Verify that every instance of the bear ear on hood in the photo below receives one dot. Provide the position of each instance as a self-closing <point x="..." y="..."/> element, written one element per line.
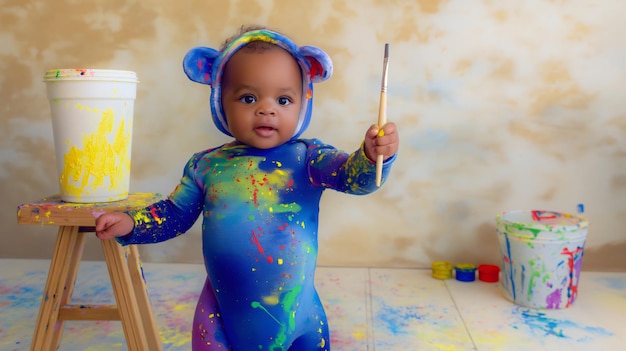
<point x="198" y="64"/>
<point x="321" y="66"/>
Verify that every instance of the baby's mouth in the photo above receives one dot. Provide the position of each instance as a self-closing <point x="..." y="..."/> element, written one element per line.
<point x="265" y="130"/>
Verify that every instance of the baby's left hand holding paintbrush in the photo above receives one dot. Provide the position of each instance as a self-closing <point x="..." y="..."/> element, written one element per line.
<point x="383" y="141"/>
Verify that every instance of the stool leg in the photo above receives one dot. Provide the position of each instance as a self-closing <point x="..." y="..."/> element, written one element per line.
<point x="126" y="300"/>
<point x="143" y="300"/>
<point x="67" y="249"/>
<point x="75" y="256"/>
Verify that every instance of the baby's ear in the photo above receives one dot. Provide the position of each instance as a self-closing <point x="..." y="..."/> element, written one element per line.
<point x="198" y="64"/>
<point x="321" y="64"/>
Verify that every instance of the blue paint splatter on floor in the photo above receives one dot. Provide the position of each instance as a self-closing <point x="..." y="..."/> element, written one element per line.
<point x="540" y="324"/>
<point x="618" y="284"/>
<point x="397" y="319"/>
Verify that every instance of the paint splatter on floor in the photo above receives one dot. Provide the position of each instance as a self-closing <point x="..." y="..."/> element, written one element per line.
<point x="540" y="325"/>
<point x="368" y="309"/>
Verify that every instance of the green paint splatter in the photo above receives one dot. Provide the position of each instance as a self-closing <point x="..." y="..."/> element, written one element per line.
<point x="256" y="304"/>
<point x="288" y="306"/>
<point x="534" y="273"/>
<point x="282" y="208"/>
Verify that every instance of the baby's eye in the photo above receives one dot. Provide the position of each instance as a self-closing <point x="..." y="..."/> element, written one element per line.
<point x="283" y="100"/>
<point x="247" y="99"/>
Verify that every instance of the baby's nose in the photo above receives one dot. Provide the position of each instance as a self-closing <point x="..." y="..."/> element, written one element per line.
<point x="266" y="108"/>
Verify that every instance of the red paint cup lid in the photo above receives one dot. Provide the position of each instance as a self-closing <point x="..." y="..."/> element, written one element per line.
<point x="488" y="273"/>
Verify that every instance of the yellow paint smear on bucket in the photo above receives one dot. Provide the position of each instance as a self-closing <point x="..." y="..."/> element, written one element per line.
<point x="86" y="170"/>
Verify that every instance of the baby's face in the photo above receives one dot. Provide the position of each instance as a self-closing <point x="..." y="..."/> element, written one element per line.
<point x="262" y="96"/>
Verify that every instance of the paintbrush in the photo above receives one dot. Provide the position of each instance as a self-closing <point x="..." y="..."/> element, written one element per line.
<point x="382" y="113"/>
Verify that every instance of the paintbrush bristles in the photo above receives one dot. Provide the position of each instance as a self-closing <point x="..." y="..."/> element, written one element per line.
<point x="383" y="86"/>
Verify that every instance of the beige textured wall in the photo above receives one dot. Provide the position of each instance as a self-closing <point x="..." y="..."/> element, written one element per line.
<point x="502" y="105"/>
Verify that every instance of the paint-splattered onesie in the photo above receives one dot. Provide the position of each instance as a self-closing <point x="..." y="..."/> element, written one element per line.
<point x="259" y="233"/>
<point x="260" y="217"/>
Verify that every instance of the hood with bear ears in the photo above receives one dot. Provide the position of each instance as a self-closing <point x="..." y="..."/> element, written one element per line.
<point x="206" y="65"/>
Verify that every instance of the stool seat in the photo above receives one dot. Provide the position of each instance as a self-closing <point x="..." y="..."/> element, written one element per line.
<point x="132" y="306"/>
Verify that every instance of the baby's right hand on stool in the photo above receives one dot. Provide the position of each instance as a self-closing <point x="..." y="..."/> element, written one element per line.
<point x="113" y="224"/>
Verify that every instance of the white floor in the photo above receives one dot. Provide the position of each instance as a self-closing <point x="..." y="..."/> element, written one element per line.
<point x="368" y="309"/>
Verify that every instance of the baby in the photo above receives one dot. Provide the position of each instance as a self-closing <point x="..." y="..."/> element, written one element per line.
<point x="258" y="195"/>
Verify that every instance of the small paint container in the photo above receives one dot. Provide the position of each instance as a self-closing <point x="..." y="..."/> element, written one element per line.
<point x="488" y="273"/>
<point x="442" y="270"/>
<point x="465" y="272"/>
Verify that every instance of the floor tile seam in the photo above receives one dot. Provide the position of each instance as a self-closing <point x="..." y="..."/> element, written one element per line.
<point x="458" y="311"/>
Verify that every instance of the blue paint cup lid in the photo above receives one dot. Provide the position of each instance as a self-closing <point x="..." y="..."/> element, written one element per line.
<point x="465" y="272"/>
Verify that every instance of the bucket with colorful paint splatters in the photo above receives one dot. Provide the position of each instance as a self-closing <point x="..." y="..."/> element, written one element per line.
<point x="542" y="254"/>
<point x="92" y="121"/>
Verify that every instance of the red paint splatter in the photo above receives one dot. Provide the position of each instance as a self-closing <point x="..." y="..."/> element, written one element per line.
<point x="153" y="212"/>
<point x="255" y="241"/>
<point x="572" y="290"/>
<point x="539" y="215"/>
<point x="255" y="197"/>
<point x="316" y="68"/>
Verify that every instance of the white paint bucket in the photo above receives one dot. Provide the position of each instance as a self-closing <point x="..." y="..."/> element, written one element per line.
<point x="92" y="121"/>
<point x="542" y="255"/>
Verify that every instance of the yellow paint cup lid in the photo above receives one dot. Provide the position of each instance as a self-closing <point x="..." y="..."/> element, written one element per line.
<point x="441" y="265"/>
<point x="466" y="267"/>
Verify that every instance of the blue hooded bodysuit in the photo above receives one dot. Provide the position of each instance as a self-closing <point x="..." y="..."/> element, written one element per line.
<point x="260" y="219"/>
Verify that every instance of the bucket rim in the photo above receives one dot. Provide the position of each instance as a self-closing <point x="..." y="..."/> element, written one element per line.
<point x="88" y="74"/>
<point x="583" y="222"/>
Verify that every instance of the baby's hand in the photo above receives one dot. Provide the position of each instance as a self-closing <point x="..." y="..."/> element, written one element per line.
<point x="383" y="141"/>
<point x="113" y="224"/>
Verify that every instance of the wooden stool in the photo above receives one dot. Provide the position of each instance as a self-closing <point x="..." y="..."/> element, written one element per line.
<point x="133" y="305"/>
